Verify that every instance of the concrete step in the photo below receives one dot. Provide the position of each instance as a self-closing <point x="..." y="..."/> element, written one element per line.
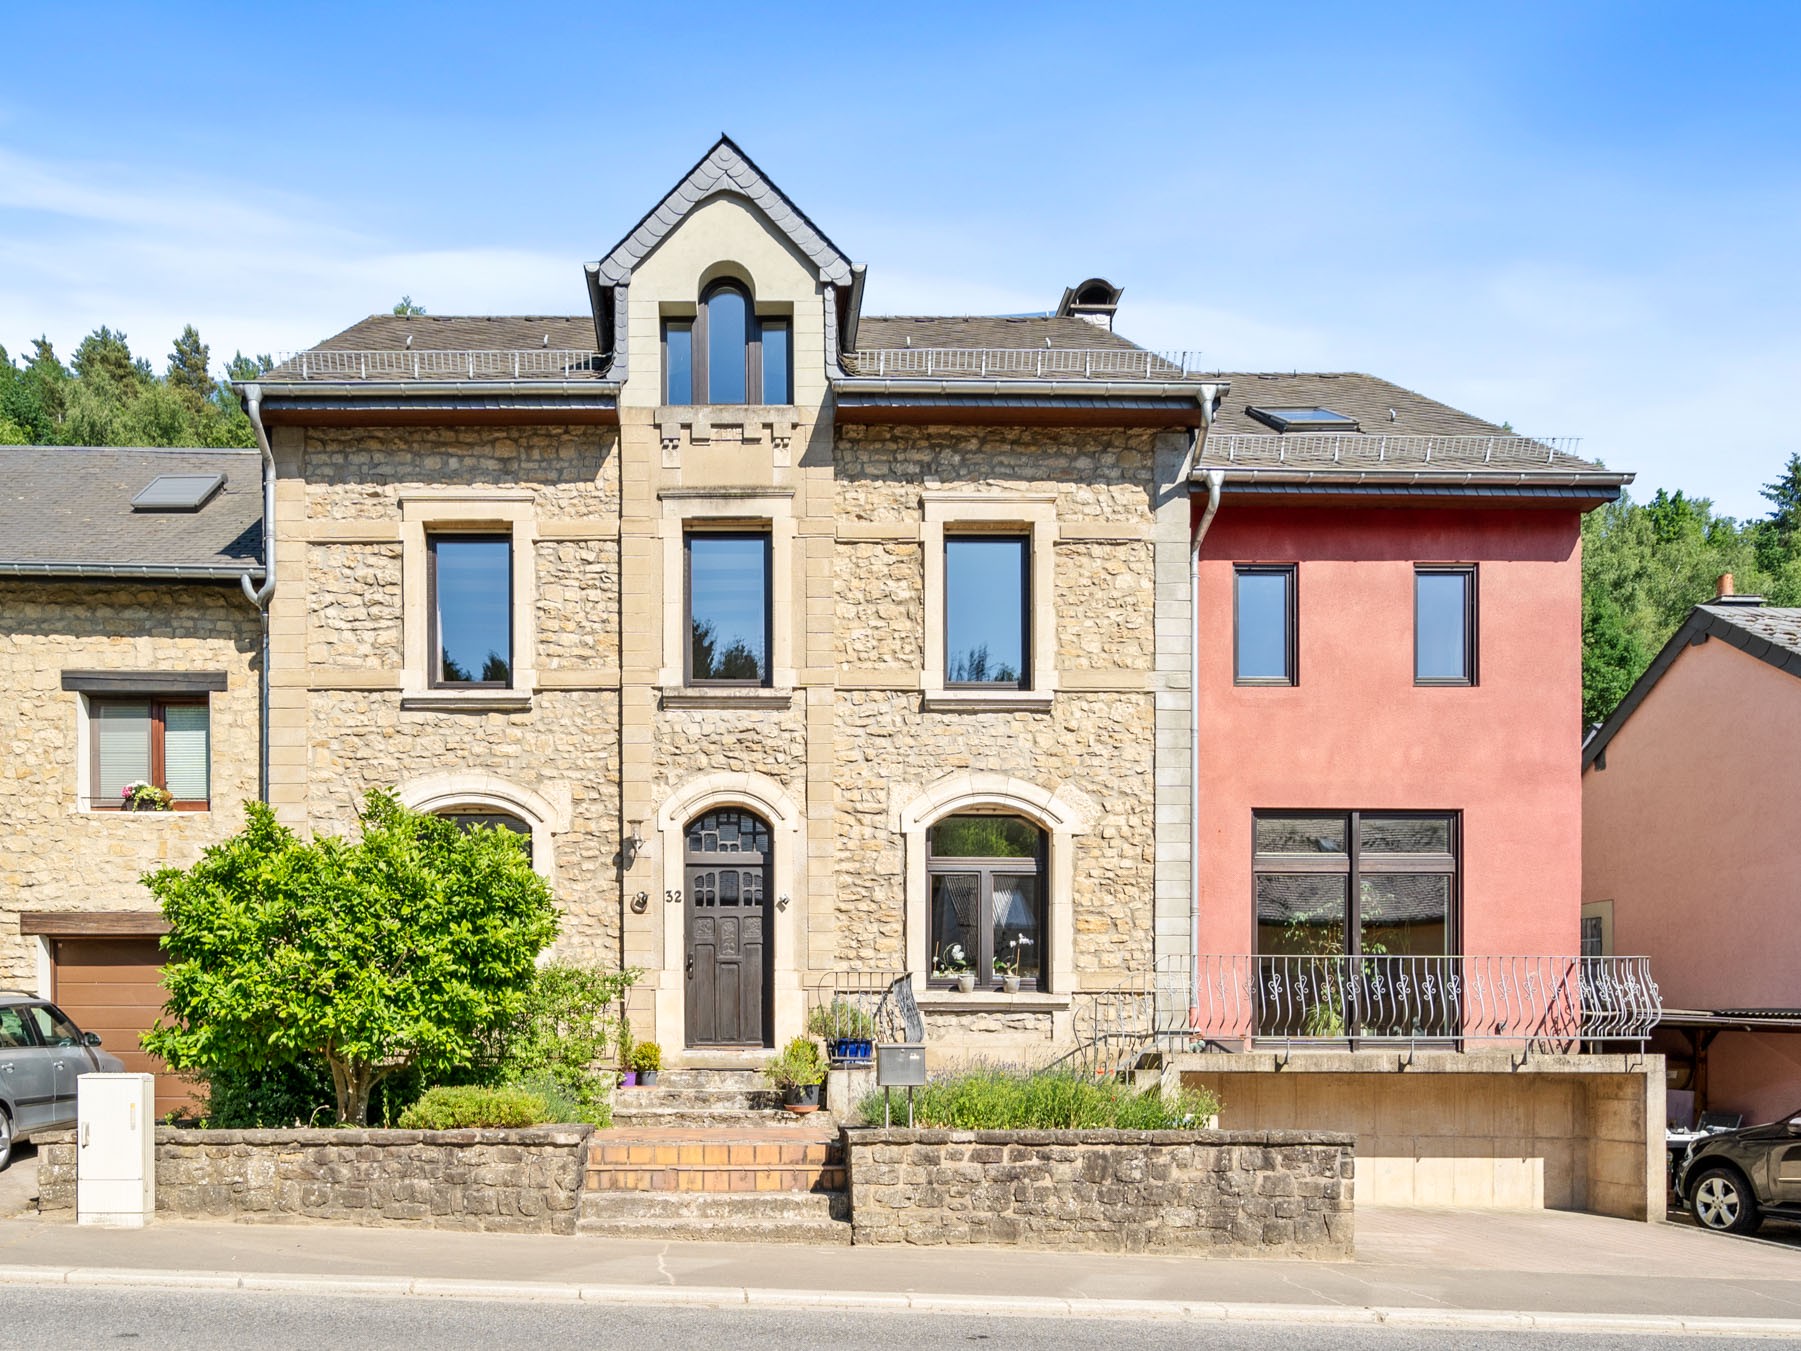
<point x="763" y="1206"/>
<point x="635" y="1117"/>
<point x="706" y="1099"/>
<point x="741" y="1079"/>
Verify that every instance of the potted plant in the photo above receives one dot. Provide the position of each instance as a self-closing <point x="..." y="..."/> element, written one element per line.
<point x="139" y="796"/>
<point x="628" y="1072"/>
<point x="647" y="1061"/>
<point x="847" y="1030"/>
<point x="1007" y="968"/>
<point x="952" y="963"/>
<point x="798" y="1072"/>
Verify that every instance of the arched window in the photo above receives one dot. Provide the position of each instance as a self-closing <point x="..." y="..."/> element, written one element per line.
<point x="727" y="353"/>
<point x="987" y="899"/>
<point x="470" y="818"/>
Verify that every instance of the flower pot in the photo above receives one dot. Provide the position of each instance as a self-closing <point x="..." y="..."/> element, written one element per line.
<point x="850" y="1050"/>
<point x="801" y="1097"/>
<point x="1010" y="984"/>
<point x="628" y="1079"/>
<point x="966" y="982"/>
<point x="648" y="1078"/>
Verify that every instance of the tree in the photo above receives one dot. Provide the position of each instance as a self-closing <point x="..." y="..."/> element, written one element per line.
<point x="405" y="948"/>
<point x="106" y="355"/>
<point x="405" y="305"/>
<point x="188" y="366"/>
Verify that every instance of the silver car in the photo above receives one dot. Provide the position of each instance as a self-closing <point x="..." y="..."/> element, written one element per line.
<point x="42" y="1054"/>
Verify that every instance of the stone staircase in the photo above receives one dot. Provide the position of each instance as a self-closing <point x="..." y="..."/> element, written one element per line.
<point x="709" y="1153"/>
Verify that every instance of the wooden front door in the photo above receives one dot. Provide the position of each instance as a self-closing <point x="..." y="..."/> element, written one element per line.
<point x="729" y="951"/>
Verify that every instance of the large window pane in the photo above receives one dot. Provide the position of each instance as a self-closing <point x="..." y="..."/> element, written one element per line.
<point x="984" y="837"/>
<point x="678" y="363"/>
<point x="956" y="900"/>
<point x="122" y="730"/>
<point x="185" y="751"/>
<point x="1300" y="834"/>
<point x="1264" y="646"/>
<point x="1017" y="940"/>
<point x="728" y="608"/>
<point x="728" y="337"/>
<point x="473" y="585"/>
<point x="1301" y="913"/>
<point x="1441" y="637"/>
<point x="1405" y="914"/>
<point x="985" y="611"/>
<point x="777" y="361"/>
<point x="1404" y="834"/>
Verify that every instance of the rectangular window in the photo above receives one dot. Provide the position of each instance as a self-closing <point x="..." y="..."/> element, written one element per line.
<point x="1263" y="625"/>
<point x="469" y="579"/>
<point x="728" y="608"/>
<point x="1444" y="626"/>
<point x="1356" y="916"/>
<point x="777" y="362"/>
<point x="161" y="743"/>
<point x="678" y="361"/>
<point x="987" y="604"/>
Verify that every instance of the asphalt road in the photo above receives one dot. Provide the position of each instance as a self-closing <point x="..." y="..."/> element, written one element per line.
<point x="49" y="1318"/>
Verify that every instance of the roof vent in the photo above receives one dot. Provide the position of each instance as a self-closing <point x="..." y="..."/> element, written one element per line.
<point x="178" y="492"/>
<point x="1094" y="300"/>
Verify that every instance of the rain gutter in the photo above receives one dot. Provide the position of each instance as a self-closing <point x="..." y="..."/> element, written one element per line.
<point x="150" y="572"/>
<point x="260" y="596"/>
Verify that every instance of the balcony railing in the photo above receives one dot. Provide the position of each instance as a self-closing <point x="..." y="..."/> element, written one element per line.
<point x="530" y="363"/>
<point x="1024" y="363"/>
<point x="1555" y="1004"/>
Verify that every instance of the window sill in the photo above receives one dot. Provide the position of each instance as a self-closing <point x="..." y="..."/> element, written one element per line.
<point x="94" y="809"/>
<point x="726" y="696"/>
<point x="989" y="701"/>
<point x="466" y="701"/>
<point x="1027" y="1001"/>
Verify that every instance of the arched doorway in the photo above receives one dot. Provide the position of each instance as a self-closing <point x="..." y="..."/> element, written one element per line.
<point x="728" y="859"/>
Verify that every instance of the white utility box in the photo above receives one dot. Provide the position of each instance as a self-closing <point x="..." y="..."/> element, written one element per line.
<point x="115" y="1154"/>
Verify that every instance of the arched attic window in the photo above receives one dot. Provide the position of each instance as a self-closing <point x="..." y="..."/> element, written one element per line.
<point x="727" y="353"/>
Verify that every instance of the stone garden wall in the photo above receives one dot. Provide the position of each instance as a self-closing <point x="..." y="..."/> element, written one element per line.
<point x="504" y="1181"/>
<point x="1271" y="1194"/>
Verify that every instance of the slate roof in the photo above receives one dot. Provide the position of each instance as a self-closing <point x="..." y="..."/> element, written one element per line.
<point x="985" y="330"/>
<point x="66" y="510"/>
<point x="1770" y="633"/>
<point x="460" y="333"/>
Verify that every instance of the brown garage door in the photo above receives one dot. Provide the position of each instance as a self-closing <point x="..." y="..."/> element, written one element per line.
<point x="111" y="986"/>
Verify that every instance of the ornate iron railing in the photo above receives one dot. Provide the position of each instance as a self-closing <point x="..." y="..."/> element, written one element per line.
<point x="1016" y="363"/>
<point x="421" y="364"/>
<point x="863" y="1006"/>
<point x="1546" y="1003"/>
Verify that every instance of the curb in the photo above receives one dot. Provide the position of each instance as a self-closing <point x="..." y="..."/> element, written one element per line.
<point x="728" y="1297"/>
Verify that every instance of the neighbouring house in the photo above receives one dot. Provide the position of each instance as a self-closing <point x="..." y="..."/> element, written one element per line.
<point x="1123" y="708"/>
<point x="1691" y="852"/>
<point x="127" y="655"/>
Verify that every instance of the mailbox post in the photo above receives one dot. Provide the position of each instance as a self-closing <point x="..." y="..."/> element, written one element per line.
<point x="900" y="1065"/>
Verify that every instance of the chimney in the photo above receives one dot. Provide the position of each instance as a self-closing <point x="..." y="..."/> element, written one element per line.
<point x="1725" y="594"/>
<point x="1094" y="300"/>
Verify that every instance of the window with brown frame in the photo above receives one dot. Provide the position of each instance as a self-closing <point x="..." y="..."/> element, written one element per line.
<point x="728" y="590"/>
<point x="986" y="876"/>
<point x="1265" y="646"/>
<point x="727" y="352"/>
<point x="164" y="743"/>
<point x="987" y="611"/>
<point x="469" y="586"/>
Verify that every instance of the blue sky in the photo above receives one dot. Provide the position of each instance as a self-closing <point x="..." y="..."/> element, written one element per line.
<point x="1581" y="218"/>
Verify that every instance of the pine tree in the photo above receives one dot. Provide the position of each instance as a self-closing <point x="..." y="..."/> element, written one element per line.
<point x="188" y="366"/>
<point x="106" y="355"/>
<point x="405" y="305"/>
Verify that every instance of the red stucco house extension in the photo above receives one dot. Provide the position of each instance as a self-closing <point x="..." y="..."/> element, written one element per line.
<point x="1388" y="853"/>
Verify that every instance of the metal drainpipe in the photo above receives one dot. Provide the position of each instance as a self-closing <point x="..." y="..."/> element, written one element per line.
<point x="1216" y="479"/>
<point x="261" y="596"/>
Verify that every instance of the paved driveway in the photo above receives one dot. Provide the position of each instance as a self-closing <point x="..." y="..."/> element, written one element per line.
<point x="19" y="1183"/>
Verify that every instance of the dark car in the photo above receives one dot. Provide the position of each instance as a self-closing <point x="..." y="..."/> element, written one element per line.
<point x="42" y="1054"/>
<point x="1733" y="1182"/>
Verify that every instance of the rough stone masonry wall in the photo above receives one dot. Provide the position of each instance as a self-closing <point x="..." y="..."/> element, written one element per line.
<point x="1097" y="744"/>
<point x="1272" y="1194"/>
<point x="502" y="1181"/>
<point x="57" y="856"/>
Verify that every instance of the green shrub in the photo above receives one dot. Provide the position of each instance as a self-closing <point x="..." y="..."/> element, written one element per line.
<point x="1000" y="1099"/>
<point x="448" y="1107"/>
<point x="296" y="1093"/>
<point x="565" y="1023"/>
<point x="798" y="1065"/>
<point x="647" y="1057"/>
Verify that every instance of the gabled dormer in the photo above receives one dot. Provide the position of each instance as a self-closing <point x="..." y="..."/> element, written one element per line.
<point x="723" y="296"/>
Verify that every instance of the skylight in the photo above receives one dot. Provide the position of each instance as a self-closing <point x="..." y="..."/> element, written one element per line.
<point x="178" y="492"/>
<point x="1304" y="419"/>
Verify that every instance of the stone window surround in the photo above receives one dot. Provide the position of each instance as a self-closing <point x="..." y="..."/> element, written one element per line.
<point x="496" y="509"/>
<point x="84" y="757"/>
<point x="787" y="881"/>
<point x="547" y="819"/>
<point x="1034" y="514"/>
<point x="989" y="791"/>
<point x="770" y="509"/>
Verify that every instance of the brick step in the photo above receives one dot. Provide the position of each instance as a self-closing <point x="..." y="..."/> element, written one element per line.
<point x="761" y="1206"/>
<point x="763" y="1162"/>
<point x="629" y="1115"/>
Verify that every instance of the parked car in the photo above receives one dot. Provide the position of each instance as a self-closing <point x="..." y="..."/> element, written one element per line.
<point x="42" y="1054"/>
<point x="1734" y="1181"/>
